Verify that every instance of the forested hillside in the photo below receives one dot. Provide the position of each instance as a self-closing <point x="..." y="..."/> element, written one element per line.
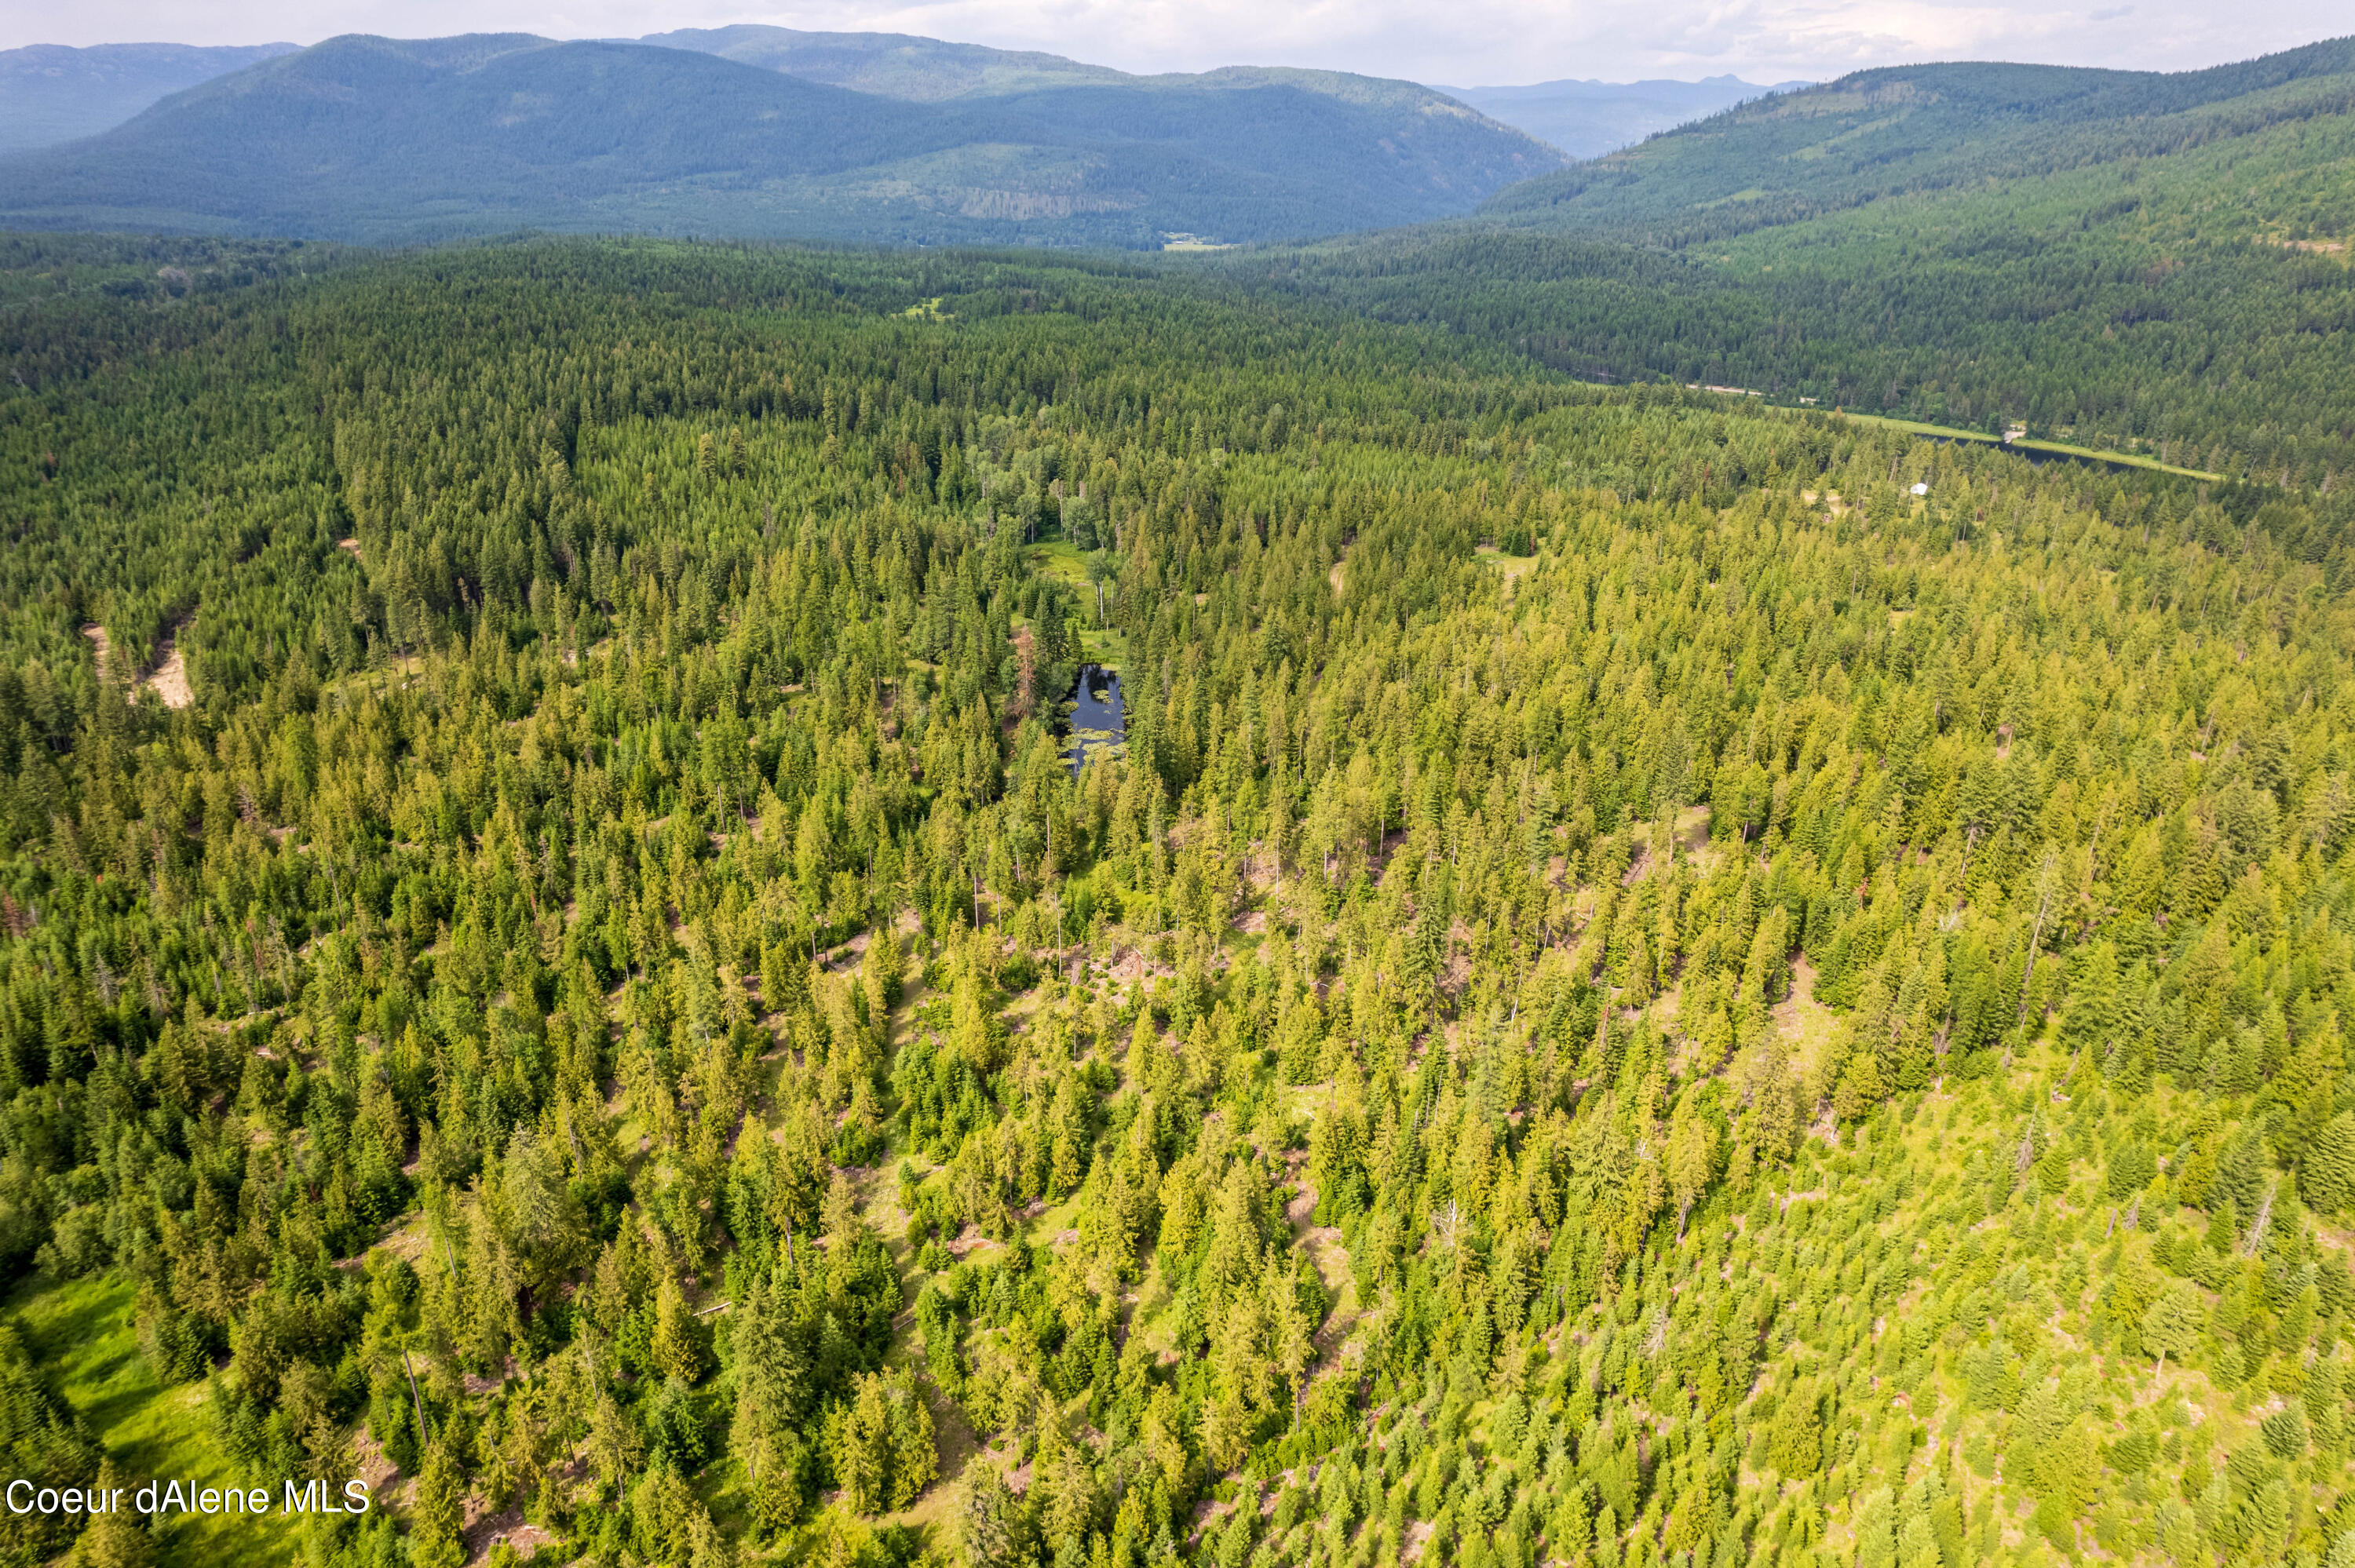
<point x="2150" y="264"/>
<point x="895" y="65"/>
<point x="1638" y="992"/>
<point x="1907" y="128"/>
<point x="397" y="140"/>
<point x="51" y="93"/>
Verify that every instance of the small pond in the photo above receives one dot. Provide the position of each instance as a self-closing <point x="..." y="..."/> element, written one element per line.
<point x="1097" y="716"/>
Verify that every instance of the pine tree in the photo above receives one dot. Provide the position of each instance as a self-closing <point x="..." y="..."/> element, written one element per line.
<point x="440" y="1509"/>
<point x="2171" y="1325"/>
<point x="666" y="1517"/>
<point x="979" y="1038"/>
<point x="1692" y="1154"/>
<point x="915" y="1453"/>
<point x="2327" y="1179"/>
<point x="1794" y="1439"/>
<point x="983" y="1521"/>
<point x="772" y="1377"/>
<point x="2132" y="1168"/>
<point x="2089" y="1021"/>
<point x="615" y="1443"/>
<point x="858" y="1444"/>
<point x="677" y="1338"/>
<point x="119" y="1537"/>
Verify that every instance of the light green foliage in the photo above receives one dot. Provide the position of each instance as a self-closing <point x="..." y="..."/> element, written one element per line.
<point x="1887" y="211"/>
<point x="2171" y="1325"/>
<point x="881" y="1444"/>
<point x="1553" y="1057"/>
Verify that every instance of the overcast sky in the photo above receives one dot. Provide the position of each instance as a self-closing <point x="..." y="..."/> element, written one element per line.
<point x="1465" y="43"/>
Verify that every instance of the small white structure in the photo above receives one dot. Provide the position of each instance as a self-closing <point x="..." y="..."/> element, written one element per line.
<point x="1920" y="489"/>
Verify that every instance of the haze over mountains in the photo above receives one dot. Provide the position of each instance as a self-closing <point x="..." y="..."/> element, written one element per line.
<point x="761" y="132"/>
<point x="49" y="93"/>
<point x="1583" y="119"/>
<point x="375" y="139"/>
<point x="1587" y="118"/>
<point x="894" y="65"/>
<point x="384" y="140"/>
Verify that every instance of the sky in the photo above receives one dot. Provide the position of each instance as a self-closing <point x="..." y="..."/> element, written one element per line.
<point x="1466" y="43"/>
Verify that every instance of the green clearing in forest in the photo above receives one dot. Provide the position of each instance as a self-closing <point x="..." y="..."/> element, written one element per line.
<point x="81" y="1330"/>
<point x="1954" y="433"/>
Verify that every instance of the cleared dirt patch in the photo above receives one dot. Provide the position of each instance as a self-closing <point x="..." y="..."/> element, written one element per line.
<point x="1805" y="1024"/>
<point x="169" y="680"/>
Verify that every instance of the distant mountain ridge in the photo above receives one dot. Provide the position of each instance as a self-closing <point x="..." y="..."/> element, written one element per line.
<point x="2135" y="263"/>
<point x="49" y="93"/>
<point x="891" y="65"/>
<point x="1587" y="118"/>
<point x="1908" y="129"/>
<point x="384" y="140"/>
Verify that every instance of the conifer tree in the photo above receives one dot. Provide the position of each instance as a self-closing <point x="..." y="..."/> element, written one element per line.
<point x="439" y="1510"/>
<point x="117" y="1537"/>
<point x="2170" y="1327"/>
<point x="1794" y="1439"/>
<point x="983" y="1521"/>
<point x="2328" y="1178"/>
<point x="678" y="1346"/>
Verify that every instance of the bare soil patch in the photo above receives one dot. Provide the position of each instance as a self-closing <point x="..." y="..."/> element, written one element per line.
<point x="169" y="680"/>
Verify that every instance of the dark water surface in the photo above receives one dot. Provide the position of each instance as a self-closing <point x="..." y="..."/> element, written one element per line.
<point x="1098" y="718"/>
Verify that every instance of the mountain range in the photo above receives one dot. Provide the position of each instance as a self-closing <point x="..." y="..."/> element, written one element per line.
<point x="54" y="93"/>
<point x="758" y="132"/>
<point x="873" y="137"/>
<point x="51" y="93"/>
<point x="892" y="65"/>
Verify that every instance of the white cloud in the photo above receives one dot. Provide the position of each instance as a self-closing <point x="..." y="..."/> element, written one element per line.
<point x="1470" y="42"/>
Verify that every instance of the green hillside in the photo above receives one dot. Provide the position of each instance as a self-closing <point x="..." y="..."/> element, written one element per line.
<point x="374" y="139"/>
<point x="2155" y="265"/>
<point x="891" y="65"/>
<point x="896" y="65"/>
<point x="382" y="141"/>
<point x="1655" y="983"/>
<point x="1908" y="130"/>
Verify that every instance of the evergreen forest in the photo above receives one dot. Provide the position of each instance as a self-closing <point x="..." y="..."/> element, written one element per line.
<point x="2150" y="264"/>
<point x="1650" y="981"/>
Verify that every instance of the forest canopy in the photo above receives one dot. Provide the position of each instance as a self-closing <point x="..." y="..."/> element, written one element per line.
<point x="1649" y="981"/>
<point x="2142" y="262"/>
